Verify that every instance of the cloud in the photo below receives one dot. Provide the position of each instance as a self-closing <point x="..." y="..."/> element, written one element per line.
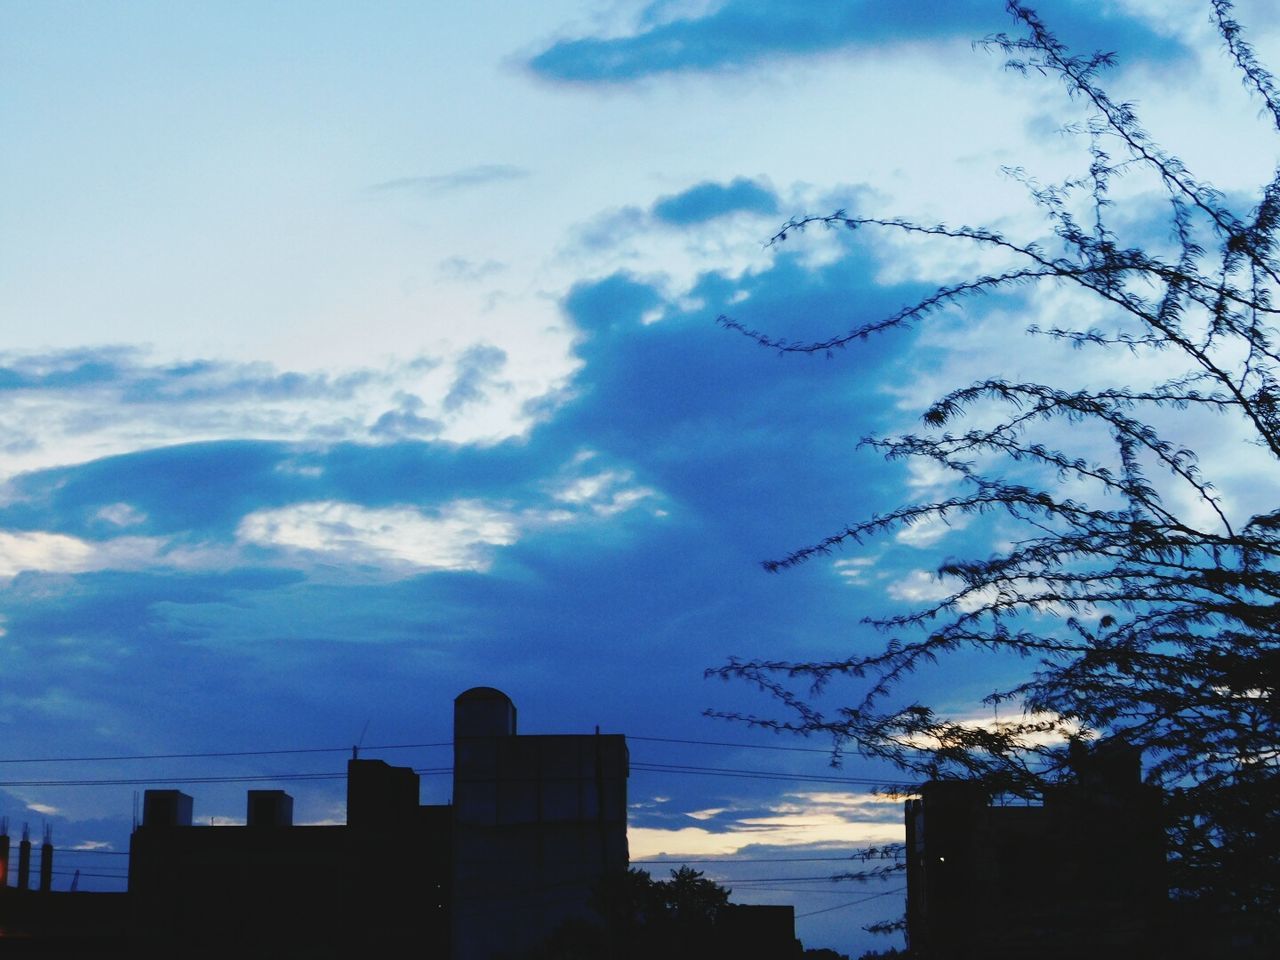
<point x="469" y="271"/>
<point x="797" y="819"/>
<point x="699" y="204"/>
<point x="458" y="537"/>
<point x="749" y="33"/>
<point x="929" y="530"/>
<point x="593" y="565"/>
<point x="120" y="515"/>
<point x="455" y="179"/>
<point x="406" y="422"/>
<point x="708" y="201"/>
<point x="53" y="413"/>
<point x="474" y="375"/>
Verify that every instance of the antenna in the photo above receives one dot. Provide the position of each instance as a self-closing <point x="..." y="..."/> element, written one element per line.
<point x="355" y="750"/>
<point x="75" y="881"/>
<point x="48" y="832"/>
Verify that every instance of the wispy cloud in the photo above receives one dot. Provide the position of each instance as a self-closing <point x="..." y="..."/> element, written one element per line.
<point x="455" y="179"/>
<point x="77" y="406"/>
<point x="694" y="206"/>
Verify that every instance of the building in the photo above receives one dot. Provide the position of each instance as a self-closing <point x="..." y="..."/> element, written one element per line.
<point x="536" y="825"/>
<point x="1080" y="874"/>
<point x="528" y="853"/>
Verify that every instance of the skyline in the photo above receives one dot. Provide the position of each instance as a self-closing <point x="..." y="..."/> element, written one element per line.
<point x="352" y="359"/>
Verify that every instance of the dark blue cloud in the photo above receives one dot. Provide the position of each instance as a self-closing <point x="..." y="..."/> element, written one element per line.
<point x="194" y="488"/>
<point x="744" y="33"/>
<point x="706" y="201"/>
<point x="138" y="382"/>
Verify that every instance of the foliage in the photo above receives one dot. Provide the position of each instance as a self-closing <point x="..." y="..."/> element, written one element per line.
<point x="643" y="917"/>
<point x="1148" y="602"/>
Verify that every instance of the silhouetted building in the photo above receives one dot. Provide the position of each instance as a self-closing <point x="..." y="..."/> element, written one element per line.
<point x="534" y="840"/>
<point x="536" y="824"/>
<point x="1081" y="874"/>
<point x="757" y="932"/>
<point x="4" y="852"/>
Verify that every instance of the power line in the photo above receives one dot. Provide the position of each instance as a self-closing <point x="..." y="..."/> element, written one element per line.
<point x="221" y="753"/>
<point x="636" y="766"/>
<point x="722" y="743"/>
<point x="139" y="781"/>
<point x="649" y="767"/>
<point x="825" y="878"/>
<point x="851" y="903"/>
<point x="391" y="746"/>
<point x="853" y="857"/>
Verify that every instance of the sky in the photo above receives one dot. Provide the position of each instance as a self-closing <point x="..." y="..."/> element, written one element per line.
<point x="355" y="355"/>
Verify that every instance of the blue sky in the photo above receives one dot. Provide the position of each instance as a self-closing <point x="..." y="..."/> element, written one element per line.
<point x="353" y="356"/>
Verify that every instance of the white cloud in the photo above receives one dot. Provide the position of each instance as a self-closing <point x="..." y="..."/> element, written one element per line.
<point x="931" y="529"/>
<point x="59" y="553"/>
<point x="42" y="551"/>
<point x="604" y="494"/>
<point x="121" y="514"/>
<point x="919" y="586"/>
<point x="44" y="809"/>
<point x="459" y="537"/>
<point x="802" y="818"/>
<point x="706" y="814"/>
<point x="854" y="569"/>
<point x="142" y="401"/>
<point x="922" y="586"/>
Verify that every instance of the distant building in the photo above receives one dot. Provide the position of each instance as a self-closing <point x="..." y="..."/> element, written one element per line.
<point x="1080" y="875"/>
<point x="532" y="843"/>
<point x="537" y="823"/>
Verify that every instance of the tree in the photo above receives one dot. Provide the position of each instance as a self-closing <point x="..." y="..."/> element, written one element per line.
<point x="643" y="917"/>
<point x="1149" y="605"/>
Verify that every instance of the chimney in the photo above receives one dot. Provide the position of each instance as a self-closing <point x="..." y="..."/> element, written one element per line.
<point x="46" y="860"/>
<point x="24" y="859"/>
<point x="166" y="808"/>
<point x="269" y="808"/>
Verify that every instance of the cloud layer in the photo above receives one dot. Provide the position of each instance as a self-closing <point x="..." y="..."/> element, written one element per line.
<point x="740" y="34"/>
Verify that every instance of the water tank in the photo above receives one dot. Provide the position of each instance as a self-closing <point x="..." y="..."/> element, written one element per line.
<point x="483" y="712"/>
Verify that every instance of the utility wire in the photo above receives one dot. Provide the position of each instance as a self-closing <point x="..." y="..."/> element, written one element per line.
<point x="138" y="781"/>
<point x="649" y="767"/>
<point x="848" y="859"/>
<point x="636" y="766"/>
<point x="851" y="903"/>
<point x="390" y="746"/>
<point x="222" y="753"/>
<point x="722" y="743"/>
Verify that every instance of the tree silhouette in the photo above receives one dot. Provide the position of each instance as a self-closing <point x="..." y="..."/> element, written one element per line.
<point x="640" y="917"/>
<point x="1148" y="602"/>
